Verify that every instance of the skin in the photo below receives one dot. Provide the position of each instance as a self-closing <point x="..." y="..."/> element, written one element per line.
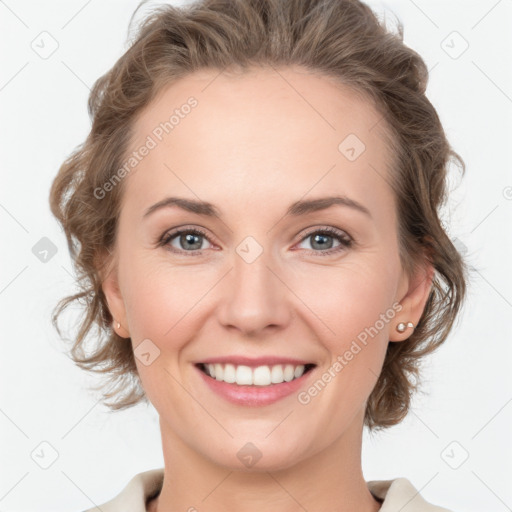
<point x="254" y="144"/>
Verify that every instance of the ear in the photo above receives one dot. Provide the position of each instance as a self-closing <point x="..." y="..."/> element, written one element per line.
<point x="413" y="299"/>
<point x="110" y="287"/>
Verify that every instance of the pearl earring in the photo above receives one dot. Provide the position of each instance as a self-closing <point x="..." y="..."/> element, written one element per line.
<point x="401" y="326"/>
<point x="118" y="325"/>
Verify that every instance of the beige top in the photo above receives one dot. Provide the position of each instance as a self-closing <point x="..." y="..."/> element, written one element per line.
<point x="398" y="494"/>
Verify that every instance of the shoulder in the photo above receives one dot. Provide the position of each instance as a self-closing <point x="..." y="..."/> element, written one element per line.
<point x="400" y="494"/>
<point x="134" y="495"/>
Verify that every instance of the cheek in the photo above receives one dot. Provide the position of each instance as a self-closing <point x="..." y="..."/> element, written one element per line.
<point x="347" y="299"/>
<point x="161" y="305"/>
<point x="355" y="306"/>
<point x="159" y="298"/>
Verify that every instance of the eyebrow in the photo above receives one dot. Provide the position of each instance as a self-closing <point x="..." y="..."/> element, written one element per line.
<point x="301" y="207"/>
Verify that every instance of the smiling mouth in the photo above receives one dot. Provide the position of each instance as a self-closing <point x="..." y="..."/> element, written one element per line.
<point x="265" y="375"/>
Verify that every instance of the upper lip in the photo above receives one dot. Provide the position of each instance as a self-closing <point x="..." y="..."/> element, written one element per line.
<point x="255" y="361"/>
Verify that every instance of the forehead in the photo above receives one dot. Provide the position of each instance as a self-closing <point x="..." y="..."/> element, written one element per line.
<point x="262" y="133"/>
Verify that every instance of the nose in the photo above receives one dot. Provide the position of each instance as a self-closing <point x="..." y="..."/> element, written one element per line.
<point x="255" y="297"/>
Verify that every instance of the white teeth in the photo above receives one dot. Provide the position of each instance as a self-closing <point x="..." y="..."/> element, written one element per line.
<point x="289" y="372"/>
<point x="299" y="370"/>
<point x="243" y="375"/>
<point x="219" y="372"/>
<point x="229" y="373"/>
<point x="277" y="374"/>
<point x="259" y="376"/>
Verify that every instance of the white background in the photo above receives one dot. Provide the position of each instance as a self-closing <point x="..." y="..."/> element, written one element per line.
<point x="44" y="397"/>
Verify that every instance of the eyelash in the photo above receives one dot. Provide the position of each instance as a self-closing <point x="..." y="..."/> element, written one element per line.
<point x="345" y="241"/>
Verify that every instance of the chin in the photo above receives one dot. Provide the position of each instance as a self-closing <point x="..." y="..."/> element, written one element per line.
<point x="254" y="456"/>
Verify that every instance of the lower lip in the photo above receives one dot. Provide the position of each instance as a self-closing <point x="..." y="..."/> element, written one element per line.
<point x="253" y="395"/>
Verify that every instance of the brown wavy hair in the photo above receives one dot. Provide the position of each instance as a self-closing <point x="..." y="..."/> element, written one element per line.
<point x="343" y="39"/>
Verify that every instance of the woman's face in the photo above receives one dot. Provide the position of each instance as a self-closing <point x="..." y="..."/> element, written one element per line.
<point x="266" y="286"/>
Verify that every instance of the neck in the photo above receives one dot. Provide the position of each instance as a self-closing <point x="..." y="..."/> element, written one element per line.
<point x="329" y="480"/>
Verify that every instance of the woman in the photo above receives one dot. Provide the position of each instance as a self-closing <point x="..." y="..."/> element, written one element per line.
<point x="254" y="216"/>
